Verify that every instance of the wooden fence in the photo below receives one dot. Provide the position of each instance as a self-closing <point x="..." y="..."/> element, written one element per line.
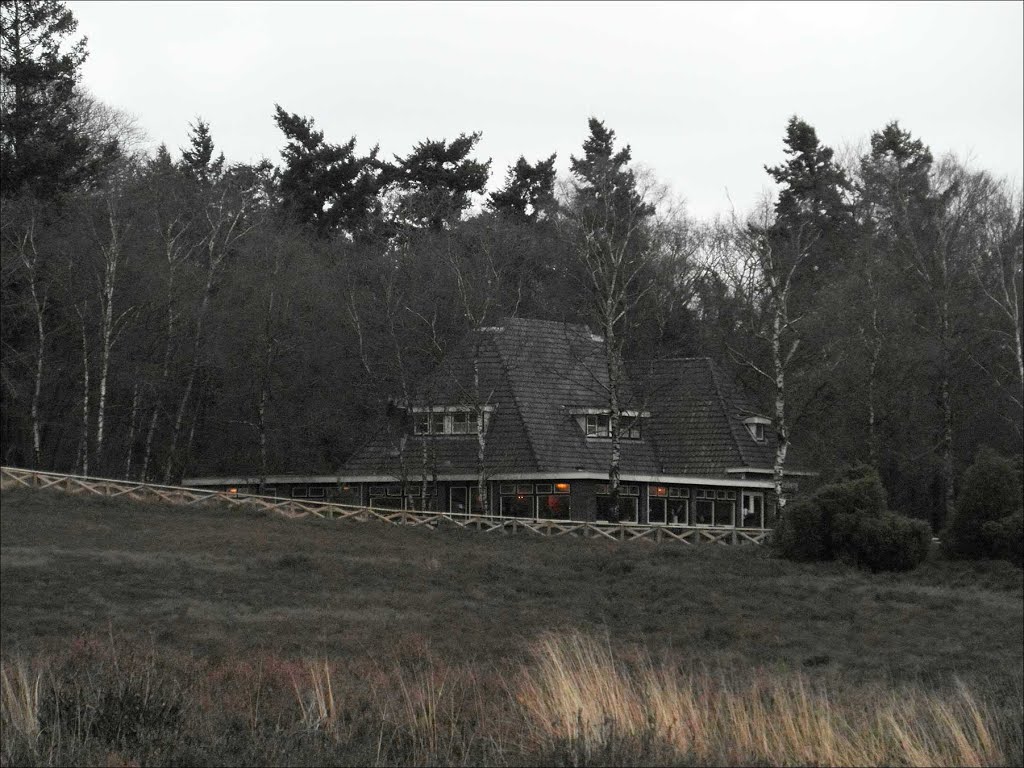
<point x="11" y="477"/>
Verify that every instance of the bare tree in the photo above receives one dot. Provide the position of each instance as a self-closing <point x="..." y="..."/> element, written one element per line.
<point x="762" y="268"/>
<point x="998" y="272"/>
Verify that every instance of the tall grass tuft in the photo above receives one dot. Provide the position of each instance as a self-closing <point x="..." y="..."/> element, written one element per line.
<point x="316" y="701"/>
<point x="20" y="699"/>
<point x="578" y="691"/>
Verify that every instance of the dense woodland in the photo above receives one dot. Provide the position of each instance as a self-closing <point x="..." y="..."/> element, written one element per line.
<point x="173" y="313"/>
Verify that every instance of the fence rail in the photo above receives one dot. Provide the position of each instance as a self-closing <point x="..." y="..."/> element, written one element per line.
<point x="11" y="477"/>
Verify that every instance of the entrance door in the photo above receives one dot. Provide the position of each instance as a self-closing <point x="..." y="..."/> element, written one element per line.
<point x="753" y="510"/>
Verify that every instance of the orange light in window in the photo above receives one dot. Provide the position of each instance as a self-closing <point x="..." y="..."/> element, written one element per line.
<point x="562" y="487"/>
<point x="232" y="490"/>
<point x="520" y="497"/>
<point x="659" y="490"/>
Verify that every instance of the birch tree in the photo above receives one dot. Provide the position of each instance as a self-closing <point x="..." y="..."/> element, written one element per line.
<point x="607" y="218"/>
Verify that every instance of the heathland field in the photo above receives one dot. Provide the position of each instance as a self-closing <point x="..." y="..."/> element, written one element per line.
<point x="148" y="634"/>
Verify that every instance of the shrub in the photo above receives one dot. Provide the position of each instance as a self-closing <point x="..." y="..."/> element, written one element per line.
<point x="856" y="490"/>
<point x="847" y="518"/>
<point x="884" y="542"/>
<point x="1005" y="537"/>
<point x="802" y="533"/>
<point x="991" y="491"/>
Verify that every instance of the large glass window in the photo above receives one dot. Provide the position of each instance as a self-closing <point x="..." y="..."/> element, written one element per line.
<point x="520" y="505"/>
<point x="703" y="512"/>
<point x="724" y="513"/>
<point x="554" y="507"/>
<point x="627" y="507"/>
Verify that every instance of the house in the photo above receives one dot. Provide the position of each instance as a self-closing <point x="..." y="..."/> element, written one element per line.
<point x="523" y="410"/>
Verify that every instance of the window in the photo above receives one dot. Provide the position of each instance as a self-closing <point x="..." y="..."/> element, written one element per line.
<point x="724" y="513"/>
<point x="316" y="493"/>
<point x="755" y="426"/>
<point x="704" y="512"/>
<point x="299" y="492"/>
<point x="599" y="425"/>
<point x="544" y="488"/>
<point x="519" y="505"/>
<point x="456" y="420"/>
<point x="667" y="511"/>
<point x="553" y="507"/>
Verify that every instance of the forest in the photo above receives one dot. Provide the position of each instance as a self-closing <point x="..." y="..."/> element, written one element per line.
<point x="172" y="313"/>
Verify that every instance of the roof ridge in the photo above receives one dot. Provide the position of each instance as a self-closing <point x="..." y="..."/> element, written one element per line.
<point x="725" y="412"/>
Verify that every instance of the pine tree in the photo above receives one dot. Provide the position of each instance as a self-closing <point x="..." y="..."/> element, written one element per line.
<point x="814" y="189"/>
<point x="433" y="183"/>
<point x="197" y="161"/>
<point x="529" y="191"/>
<point x="42" y="147"/>
<point x="327" y="186"/>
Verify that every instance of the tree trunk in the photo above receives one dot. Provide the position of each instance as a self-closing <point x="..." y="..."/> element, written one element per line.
<point x="131" y="432"/>
<point x="83" y="448"/>
<point x="948" y="491"/>
<point x="614" y="419"/>
<point x="781" y="428"/>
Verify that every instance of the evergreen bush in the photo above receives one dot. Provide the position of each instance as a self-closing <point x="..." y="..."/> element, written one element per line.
<point x="848" y="519"/>
<point x="882" y="542"/>
<point x="990" y="493"/>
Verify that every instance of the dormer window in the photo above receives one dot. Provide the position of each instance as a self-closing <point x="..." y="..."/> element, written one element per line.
<point x="755" y="426"/>
<point x="599" y="425"/>
<point x="448" y="420"/>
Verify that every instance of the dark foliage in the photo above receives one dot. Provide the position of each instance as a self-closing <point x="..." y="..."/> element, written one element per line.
<point x="987" y="510"/>
<point x="847" y="519"/>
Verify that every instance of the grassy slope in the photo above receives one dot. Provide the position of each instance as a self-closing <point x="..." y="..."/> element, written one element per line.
<point x="216" y="582"/>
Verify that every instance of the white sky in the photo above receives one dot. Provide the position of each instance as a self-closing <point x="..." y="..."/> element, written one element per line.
<point x="701" y="91"/>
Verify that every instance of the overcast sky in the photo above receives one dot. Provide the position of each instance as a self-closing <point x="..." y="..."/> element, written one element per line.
<point x="701" y="91"/>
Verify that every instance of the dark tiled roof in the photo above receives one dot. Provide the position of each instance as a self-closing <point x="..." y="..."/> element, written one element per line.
<point x="535" y="374"/>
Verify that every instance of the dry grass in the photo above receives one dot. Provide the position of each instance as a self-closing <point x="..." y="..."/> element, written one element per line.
<point x="579" y="690"/>
<point x="20" y="699"/>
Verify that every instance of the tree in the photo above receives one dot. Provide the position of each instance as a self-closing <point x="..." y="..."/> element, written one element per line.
<point x="529" y="191"/>
<point x="998" y="272"/>
<point x="762" y="262"/>
<point x="927" y="216"/>
<point x="432" y="184"/>
<point x="608" y="219"/>
<point x="327" y="186"/>
<point x="42" y="145"/>
<point x="197" y="160"/>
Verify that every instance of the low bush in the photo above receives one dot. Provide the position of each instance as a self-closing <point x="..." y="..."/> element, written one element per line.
<point x="990" y="493"/>
<point x="884" y="542"/>
<point x="1005" y="537"/>
<point x="848" y="519"/>
<point x="802" y="533"/>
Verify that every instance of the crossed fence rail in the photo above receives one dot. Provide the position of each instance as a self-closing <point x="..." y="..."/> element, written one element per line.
<point x="11" y="477"/>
